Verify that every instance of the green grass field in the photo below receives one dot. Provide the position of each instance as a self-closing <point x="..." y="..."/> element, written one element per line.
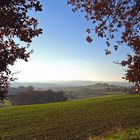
<point x="71" y="120"/>
<point x="128" y="134"/>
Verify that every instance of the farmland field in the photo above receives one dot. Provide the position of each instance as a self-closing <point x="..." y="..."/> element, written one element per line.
<point x="70" y="120"/>
<point x="128" y="134"/>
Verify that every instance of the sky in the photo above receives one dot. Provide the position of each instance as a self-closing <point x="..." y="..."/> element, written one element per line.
<point x="61" y="53"/>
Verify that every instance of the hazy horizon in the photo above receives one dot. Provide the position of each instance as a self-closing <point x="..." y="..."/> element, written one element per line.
<point x="59" y="81"/>
<point x="67" y="83"/>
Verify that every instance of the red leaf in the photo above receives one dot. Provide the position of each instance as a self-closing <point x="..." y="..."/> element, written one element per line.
<point x="89" y="39"/>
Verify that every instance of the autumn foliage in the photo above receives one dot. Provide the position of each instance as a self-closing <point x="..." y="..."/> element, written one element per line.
<point x="110" y="17"/>
<point x="15" y="24"/>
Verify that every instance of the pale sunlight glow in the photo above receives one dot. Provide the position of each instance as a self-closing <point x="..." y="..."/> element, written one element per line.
<point x="44" y="72"/>
<point x="54" y="71"/>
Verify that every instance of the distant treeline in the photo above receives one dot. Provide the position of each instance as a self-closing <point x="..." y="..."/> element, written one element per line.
<point x="13" y="90"/>
<point x="98" y="89"/>
<point x="85" y="92"/>
<point x="30" y="96"/>
<point x="27" y="95"/>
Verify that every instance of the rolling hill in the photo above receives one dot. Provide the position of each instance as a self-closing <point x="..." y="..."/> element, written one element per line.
<point x="71" y="120"/>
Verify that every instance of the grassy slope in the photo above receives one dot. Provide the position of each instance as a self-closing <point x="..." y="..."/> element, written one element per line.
<point x="128" y="134"/>
<point x="72" y="120"/>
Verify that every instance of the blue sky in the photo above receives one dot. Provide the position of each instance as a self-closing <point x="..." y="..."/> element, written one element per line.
<point x="62" y="53"/>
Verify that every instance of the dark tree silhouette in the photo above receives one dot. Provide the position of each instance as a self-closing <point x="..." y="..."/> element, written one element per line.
<point x="110" y="17"/>
<point x="28" y="97"/>
<point x="15" y="24"/>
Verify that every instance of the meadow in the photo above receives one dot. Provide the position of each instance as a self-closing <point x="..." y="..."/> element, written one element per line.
<point x="71" y="120"/>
